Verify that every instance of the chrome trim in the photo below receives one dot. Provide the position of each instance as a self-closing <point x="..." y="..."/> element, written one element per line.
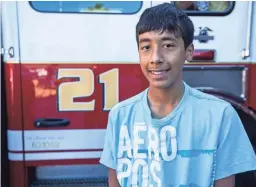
<point x="246" y="50"/>
<point x="244" y="77"/>
<point x="212" y="66"/>
<point x="244" y="84"/>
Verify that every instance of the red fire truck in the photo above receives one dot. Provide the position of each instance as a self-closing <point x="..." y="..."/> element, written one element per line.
<point x="66" y="64"/>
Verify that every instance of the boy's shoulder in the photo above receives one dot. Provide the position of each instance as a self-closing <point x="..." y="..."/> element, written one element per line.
<point x="206" y="100"/>
<point x="128" y="103"/>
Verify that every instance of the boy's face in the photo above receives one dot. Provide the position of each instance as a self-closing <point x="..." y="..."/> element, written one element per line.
<point x="162" y="57"/>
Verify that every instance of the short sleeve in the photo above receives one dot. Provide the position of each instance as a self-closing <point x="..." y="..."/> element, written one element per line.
<point x="235" y="153"/>
<point x="108" y="156"/>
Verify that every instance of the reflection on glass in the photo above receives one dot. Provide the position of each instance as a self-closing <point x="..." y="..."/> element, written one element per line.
<point x="203" y="6"/>
<point x="124" y="7"/>
<point x="98" y="7"/>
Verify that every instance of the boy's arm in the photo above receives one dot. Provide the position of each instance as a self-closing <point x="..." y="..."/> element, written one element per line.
<point x="108" y="156"/>
<point x="112" y="178"/>
<point x="234" y="153"/>
<point x="226" y="182"/>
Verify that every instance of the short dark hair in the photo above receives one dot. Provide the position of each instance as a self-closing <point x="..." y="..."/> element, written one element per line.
<point x="166" y="17"/>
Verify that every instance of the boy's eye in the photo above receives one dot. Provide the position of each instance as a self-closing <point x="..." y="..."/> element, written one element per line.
<point x="169" y="45"/>
<point x="146" y="47"/>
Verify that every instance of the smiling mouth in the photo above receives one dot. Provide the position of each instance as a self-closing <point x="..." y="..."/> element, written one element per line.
<point x="158" y="72"/>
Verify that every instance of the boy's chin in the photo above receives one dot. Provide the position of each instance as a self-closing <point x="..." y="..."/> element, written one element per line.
<point x="161" y="85"/>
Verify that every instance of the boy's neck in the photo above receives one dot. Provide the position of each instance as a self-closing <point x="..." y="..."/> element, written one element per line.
<point x="163" y="101"/>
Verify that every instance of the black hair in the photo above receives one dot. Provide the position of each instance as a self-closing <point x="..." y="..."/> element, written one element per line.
<point x="166" y="17"/>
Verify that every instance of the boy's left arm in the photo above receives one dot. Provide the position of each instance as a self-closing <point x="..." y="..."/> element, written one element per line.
<point x="235" y="153"/>
<point x="226" y="182"/>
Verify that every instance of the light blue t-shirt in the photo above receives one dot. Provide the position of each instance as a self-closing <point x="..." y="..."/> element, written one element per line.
<point x="200" y="141"/>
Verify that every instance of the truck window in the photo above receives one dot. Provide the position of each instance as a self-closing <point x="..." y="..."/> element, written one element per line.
<point x="202" y="8"/>
<point x="98" y="7"/>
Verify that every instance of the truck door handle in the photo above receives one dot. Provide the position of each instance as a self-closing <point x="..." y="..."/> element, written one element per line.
<point x="51" y="122"/>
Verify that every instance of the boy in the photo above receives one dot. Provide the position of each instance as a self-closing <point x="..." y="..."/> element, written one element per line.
<point x="171" y="134"/>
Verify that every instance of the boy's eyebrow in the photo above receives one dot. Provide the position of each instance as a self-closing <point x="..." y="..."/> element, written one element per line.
<point x="165" y="38"/>
<point x="168" y="39"/>
<point x="144" y="40"/>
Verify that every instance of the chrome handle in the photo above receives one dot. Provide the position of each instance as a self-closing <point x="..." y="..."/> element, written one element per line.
<point x="51" y="122"/>
<point x="246" y="50"/>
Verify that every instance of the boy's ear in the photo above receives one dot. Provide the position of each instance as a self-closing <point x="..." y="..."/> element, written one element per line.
<point x="190" y="52"/>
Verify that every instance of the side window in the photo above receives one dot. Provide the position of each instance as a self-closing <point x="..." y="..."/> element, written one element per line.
<point x="205" y="7"/>
<point x="98" y="7"/>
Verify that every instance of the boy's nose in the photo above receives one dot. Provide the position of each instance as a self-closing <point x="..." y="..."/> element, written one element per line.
<point x="157" y="57"/>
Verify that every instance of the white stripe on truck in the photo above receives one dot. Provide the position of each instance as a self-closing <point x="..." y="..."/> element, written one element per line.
<point x="42" y="140"/>
<point x="55" y="155"/>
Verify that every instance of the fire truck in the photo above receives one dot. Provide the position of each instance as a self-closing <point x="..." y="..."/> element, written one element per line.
<point x="64" y="65"/>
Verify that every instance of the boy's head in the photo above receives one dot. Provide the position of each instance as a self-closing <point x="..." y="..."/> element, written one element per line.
<point x="165" y="41"/>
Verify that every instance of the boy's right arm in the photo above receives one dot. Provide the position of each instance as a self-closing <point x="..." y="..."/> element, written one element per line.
<point x="112" y="178"/>
<point x="108" y="157"/>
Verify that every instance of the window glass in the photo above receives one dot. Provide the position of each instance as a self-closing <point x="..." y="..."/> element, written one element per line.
<point x="205" y="7"/>
<point x="109" y="7"/>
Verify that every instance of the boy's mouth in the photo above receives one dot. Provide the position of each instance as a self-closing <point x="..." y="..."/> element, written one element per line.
<point x="158" y="72"/>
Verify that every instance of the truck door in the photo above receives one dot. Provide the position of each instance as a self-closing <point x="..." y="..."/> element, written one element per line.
<point x="11" y="94"/>
<point x="4" y="148"/>
<point x="78" y="59"/>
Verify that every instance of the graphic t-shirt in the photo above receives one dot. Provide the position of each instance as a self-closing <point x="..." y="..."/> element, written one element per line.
<point x="200" y="141"/>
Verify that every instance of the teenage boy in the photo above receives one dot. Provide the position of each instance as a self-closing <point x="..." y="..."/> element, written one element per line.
<point x="171" y="134"/>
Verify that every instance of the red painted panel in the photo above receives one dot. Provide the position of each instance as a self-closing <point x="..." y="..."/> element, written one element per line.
<point x="13" y="96"/>
<point x="40" y="85"/>
<point x="252" y="87"/>
<point x="17" y="174"/>
<point x="40" y="94"/>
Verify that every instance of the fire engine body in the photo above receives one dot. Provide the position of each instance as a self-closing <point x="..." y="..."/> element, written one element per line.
<point x="65" y="71"/>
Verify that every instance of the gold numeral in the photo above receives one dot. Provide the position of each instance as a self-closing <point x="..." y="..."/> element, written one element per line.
<point x="110" y="81"/>
<point x="85" y="87"/>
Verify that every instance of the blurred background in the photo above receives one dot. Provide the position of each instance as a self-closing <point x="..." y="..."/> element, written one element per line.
<point x="65" y="64"/>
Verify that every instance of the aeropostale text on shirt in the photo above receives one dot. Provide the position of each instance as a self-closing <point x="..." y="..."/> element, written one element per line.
<point x="131" y="159"/>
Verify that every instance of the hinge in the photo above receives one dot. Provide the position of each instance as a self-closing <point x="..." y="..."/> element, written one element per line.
<point x="9" y="52"/>
<point x="245" y="53"/>
<point x="3" y="51"/>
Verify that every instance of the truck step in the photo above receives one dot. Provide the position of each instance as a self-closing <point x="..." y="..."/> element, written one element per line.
<point x="83" y="182"/>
